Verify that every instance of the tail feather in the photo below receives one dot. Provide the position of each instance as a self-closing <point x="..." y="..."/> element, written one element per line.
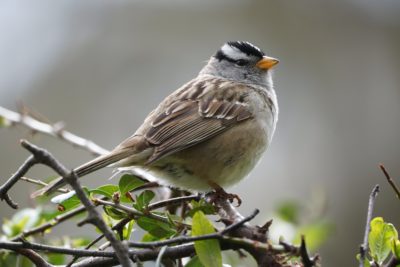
<point x="89" y="167"/>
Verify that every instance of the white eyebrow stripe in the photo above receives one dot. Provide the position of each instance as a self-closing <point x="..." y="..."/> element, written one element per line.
<point x="233" y="52"/>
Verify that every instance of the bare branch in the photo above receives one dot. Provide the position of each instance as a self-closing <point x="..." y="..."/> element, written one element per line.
<point x="390" y="180"/>
<point x="371" y="202"/>
<point x="44" y="157"/>
<point x="56" y="130"/>
<point x="55" y="249"/>
<point x="13" y="179"/>
<point x="39" y="182"/>
<point x="34" y="257"/>
<point x="186" y="239"/>
<point x="172" y="201"/>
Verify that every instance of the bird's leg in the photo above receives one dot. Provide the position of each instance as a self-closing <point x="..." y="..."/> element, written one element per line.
<point x="220" y="193"/>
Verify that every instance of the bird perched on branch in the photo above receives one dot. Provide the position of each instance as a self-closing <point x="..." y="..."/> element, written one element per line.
<point x="208" y="134"/>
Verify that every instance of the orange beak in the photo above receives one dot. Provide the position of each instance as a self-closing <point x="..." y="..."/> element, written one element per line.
<point x="267" y="62"/>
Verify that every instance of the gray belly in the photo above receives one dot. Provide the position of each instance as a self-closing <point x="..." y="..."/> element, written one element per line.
<point x="224" y="159"/>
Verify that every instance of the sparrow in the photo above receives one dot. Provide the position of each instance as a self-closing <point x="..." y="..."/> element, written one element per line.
<point x="209" y="133"/>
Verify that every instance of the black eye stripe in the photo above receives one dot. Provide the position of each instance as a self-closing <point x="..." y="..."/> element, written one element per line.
<point x="221" y="56"/>
<point x="241" y="62"/>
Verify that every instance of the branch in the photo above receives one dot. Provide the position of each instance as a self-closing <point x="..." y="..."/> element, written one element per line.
<point x="39" y="182"/>
<point x="57" y="220"/>
<point x="34" y="257"/>
<point x="307" y="261"/>
<point x="185" y="239"/>
<point x="364" y="246"/>
<point x="13" y="179"/>
<point x="135" y="213"/>
<point x="237" y="234"/>
<point x="56" y="130"/>
<point x="390" y="180"/>
<point x="181" y="251"/>
<point x="56" y="249"/>
<point x="173" y="201"/>
<point x="42" y="156"/>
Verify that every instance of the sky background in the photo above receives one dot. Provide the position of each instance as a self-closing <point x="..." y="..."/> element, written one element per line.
<point x="102" y="66"/>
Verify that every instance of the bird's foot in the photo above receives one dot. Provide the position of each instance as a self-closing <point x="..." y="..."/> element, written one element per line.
<point x="220" y="194"/>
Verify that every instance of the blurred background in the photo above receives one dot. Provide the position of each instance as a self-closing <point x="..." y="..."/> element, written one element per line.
<point x="102" y="66"/>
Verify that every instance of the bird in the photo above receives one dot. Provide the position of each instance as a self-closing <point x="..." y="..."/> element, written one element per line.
<point x="209" y="133"/>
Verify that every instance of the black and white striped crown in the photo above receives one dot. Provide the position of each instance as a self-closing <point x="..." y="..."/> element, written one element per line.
<point x="235" y="50"/>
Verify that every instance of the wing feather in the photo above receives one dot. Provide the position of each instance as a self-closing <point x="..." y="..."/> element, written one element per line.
<point x="194" y="114"/>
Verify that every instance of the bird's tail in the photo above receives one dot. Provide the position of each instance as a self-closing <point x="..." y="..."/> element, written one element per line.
<point x="89" y="167"/>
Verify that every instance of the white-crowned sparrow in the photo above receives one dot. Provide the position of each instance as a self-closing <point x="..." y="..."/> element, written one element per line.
<point x="210" y="132"/>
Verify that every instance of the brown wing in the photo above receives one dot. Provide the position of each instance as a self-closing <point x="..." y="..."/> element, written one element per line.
<point x="197" y="115"/>
<point x="194" y="114"/>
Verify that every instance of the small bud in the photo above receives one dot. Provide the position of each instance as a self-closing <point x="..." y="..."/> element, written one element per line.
<point x="116" y="197"/>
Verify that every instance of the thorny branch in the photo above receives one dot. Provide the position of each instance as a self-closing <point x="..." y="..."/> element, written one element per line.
<point x="237" y="234"/>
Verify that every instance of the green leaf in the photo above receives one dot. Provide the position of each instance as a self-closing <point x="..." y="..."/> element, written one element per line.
<point x="289" y="211"/>
<point x="80" y="242"/>
<point x="156" y="228"/>
<point x="208" y="251"/>
<point x="68" y="200"/>
<point x="106" y="190"/>
<point x="56" y="259"/>
<point x="381" y="239"/>
<point x="143" y="200"/>
<point x="127" y="230"/>
<point x="366" y="261"/>
<point x="114" y="213"/>
<point x="201" y="205"/>
<point x="396" y="248"/>
<point x="129" y="182"/>
<point x="147" y="237"/>
<point x="194" y="262"/>
<point x="21" y="221"/>
<point x="316" y="234"/>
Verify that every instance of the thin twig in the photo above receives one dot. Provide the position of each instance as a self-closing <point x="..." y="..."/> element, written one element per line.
<point x="62" y="217"/>
<point x="34" y="257"/>
<point x="39" y="182"/>
<point x="142" y="254"/>
<point x="181" y="251"/>
<point x="390" y="180"/>
<point x="50" y="224"/>
<point x="55" y="249"/>
<point x="172" y="201"/>
<point x="135" y="213"/>
<point x="44" y="157"/>
<point x="371" y="202"/>
<point x="52" y="130"/>
<point x="187" y="239"/>
<point x="118" y="226"/>
<point x="29" y="162"/>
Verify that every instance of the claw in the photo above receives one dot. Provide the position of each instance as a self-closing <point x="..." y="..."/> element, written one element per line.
<point x="220" y="193"/>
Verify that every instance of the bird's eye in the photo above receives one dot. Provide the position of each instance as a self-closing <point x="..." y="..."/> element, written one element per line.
<point x="241" y="62"/>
